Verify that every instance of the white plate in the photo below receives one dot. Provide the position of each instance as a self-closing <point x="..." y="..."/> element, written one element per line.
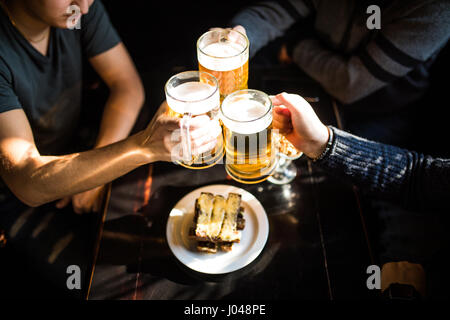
<point x="253" y="238"/>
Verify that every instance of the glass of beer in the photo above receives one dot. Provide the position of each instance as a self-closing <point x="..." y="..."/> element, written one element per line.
<point x="190" y="94"/>
<point x="250" y="155"/>
<point x="224" y="54"/>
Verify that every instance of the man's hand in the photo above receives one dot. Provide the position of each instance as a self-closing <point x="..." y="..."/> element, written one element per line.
<point x="237" y="28"/>
<point x="84" y="202"/>
<point x="296" y="119"/>
<point x="240" y="29"/>
<point x="162" y="137"/>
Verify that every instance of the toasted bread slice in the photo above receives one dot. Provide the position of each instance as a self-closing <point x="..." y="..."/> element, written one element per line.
<point x="207" y="246"/>
<point x="203" y="211"/>
<point x="229" y="232"/>
<point x="226" y="246"/>
<point x="217" y="217"/>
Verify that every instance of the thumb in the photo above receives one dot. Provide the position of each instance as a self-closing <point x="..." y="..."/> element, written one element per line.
<point x="240" y="29"/>
<point x="168" y="122"/>
<point x="293" y="102"/>
<point x="63" y="202"/>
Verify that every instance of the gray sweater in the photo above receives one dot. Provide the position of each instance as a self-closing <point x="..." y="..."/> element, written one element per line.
<point x="391" y="173"/>
<point x="350" y="61"/>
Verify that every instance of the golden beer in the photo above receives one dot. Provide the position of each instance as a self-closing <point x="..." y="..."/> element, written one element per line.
<point x="250" y="155"/>
<point x="224" y="54"/>
<point x="191" y="94"/>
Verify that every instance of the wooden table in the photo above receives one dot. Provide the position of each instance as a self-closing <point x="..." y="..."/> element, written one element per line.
<point x="317" y="246"/>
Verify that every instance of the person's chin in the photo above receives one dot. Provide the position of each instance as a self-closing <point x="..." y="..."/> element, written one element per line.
<point x="66" y="23"/>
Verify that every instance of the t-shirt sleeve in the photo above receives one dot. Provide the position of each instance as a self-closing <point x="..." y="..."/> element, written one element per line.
<point x="8" y="98"/>
<point x="97" y="33"/>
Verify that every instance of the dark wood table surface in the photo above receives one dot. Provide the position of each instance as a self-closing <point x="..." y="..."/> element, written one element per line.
<point x="317" y="246"/>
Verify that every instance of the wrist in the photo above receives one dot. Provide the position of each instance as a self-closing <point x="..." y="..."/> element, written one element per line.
<point x="319" y="145"/>
<point x="144" y="147"/>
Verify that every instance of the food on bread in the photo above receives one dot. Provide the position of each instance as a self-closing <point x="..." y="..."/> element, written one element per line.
<point x="207" y="246"/>
<point x="217" y="222"/>
<point x="218" y="214"/>
<point x="229" y="232"/>
<point x="203" y="211"/>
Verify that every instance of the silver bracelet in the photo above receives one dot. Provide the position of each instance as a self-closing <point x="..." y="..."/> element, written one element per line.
<point x="328" y="146"/>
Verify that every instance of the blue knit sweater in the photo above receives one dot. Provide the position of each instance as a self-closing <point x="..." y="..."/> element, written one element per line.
<point x="389" y="172"/>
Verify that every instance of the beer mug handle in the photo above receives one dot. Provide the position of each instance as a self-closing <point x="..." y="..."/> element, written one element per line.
<point x="186" y="138"/>
<point x="285" y="148"/>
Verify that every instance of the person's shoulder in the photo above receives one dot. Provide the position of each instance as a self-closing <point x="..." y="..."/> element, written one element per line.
<point x="95" y="11"/>
<point x="3" y="33"/>
<point x="5" y="67"/>
<point x="7" y="50"/>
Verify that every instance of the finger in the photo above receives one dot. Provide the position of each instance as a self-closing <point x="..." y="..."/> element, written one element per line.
<point x="78" y="205"/>
<point x="293" y="102"/>
<point x="282" y="128"/>
<point x="216" y="29"/>
<point x="212" y="129"/>
<point x="205" y="139"/>
<point x="199" y="121"/>
<point x="276" y="100"/>
<point x="205" y="148"/>
<point x="234" y="35"/>
<point x="77" y="209"/>
<point x="219" y="33"/>
<point x="240" y="29"/>
<point x="63" y="202"/>
<point x="206" y="135"/>
<point x="282" y="112"/>
<point x="168" y="122"/>
<point x="282" y="123"/>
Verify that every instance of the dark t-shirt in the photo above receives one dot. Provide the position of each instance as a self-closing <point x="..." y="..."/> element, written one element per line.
<point x="48" y="88"/>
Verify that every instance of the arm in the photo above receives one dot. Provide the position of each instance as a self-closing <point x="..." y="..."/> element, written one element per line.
<point x="266" y="21"/>
<point x="110" y="59"/>
<point x="385" y="171"/>
<point x="389" y="172"/>
<point x="126" y="96"/>
<point x="37" y="179"/>
<point x="397" y="49"/>
<point x="125" y="100"/>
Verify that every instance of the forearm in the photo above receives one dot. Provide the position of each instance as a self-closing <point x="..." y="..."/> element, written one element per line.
<point x="344" y="78"/>
<point x="269" y="20"/>
<point x="377" y="167"/>
<point x="120" y="114"/>
<point x="46" y="178"/>
<point x="402" y="45"/>
<point x="389" y="172"/>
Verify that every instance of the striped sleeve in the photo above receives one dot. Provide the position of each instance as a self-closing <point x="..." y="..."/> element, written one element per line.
<point x="389" y="172"/>
<point x="397" y="49"/>
<point x="268" y="20"/>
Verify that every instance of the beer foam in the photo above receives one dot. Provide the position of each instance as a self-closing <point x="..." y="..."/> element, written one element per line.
<point x="246" y="116"/>
<point x="193" y="97"/>
<point x="222" y="56"/>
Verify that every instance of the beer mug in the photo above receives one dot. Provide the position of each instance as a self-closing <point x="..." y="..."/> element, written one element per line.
<point x="250" y="155"/>
<point x="190" y="94"/>
<point x="224" y="54"/>
<point x="252" y="146"/>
